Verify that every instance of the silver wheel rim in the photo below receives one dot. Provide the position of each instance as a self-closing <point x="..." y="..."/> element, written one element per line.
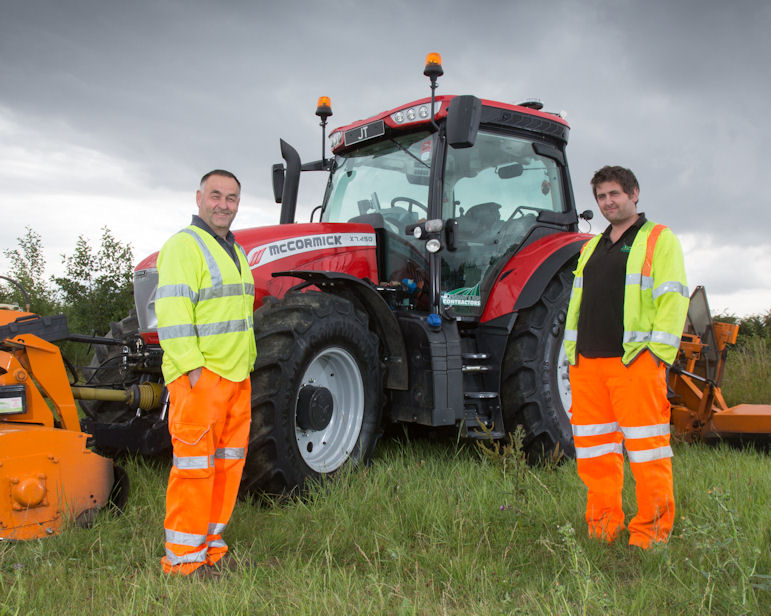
<point x="563" y="380"/>
<point x="326" y="450"/>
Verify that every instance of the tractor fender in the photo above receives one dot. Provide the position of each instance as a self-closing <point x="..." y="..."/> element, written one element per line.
<point x="524" y="278"/>
<point x="381" y="318"/>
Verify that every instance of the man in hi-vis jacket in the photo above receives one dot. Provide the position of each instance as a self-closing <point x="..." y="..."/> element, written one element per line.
<point x="204" y="304"/>
<point x="625" y="319"/>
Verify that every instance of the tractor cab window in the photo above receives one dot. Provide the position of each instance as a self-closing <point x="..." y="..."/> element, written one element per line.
<point x="385" y="184"/>
<point x="495" y="190"/>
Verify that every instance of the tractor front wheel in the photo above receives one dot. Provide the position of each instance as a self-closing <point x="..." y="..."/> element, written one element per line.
<point x="316" y="391"/>
<point x="535" y="390"/>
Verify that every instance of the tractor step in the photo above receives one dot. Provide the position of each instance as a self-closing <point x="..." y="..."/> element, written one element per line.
<point x="479" y="427"/>
<point x="480" y="395"/>
<point x="472" y="362"/>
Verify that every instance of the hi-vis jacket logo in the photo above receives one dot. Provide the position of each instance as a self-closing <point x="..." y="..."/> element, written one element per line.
<point x="267" y="253"/>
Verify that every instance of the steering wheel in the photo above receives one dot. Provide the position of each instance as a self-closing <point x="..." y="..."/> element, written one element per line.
<point x="521" y="211"/>
<point x="410" y="202"/>
<point x="516" y="215"/>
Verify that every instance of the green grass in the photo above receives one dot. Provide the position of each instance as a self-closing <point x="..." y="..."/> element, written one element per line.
<point x="747" y="377"/>
<point x="428" y="528"/>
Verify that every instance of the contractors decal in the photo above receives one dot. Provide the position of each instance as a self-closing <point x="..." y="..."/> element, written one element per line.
<point x="449" y="299"/>
<point x="267" y="253"/>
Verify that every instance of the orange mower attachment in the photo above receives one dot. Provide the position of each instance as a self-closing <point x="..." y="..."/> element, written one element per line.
<point x="698" y="408"/>
<point x="47" y="474"/>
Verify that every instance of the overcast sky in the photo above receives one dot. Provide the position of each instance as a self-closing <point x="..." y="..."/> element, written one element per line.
<point x="111" y="111"/>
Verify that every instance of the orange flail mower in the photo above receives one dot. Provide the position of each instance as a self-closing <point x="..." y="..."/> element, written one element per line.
<point x="699" y="410"/>
<point x="48" y="476"/>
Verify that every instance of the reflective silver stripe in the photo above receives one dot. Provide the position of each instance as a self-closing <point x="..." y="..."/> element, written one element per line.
<point x="637" y="336"/>
<point x="194" y="462"/>
<point x="595" y="429"/>
<point x="180" y="538"/>
<point x="217" y="528"/>
<point x="224" y="327"/>
<point x="228" y="290"/>
<point x="646" y="431"/>
<point x="670" y="287"/>
<point x="660" y="337"/>
<point x="665" y="338"/>
<point x="176" y="290"/>
<point x="632" y="279"/>
<point x="571" y="335"/>
<point x="598" y="450"/>
<point x="230" y="453"/>
<point x="578" y="282"/>
<point x="176" y="331"/>
<point x="249" y="288"/>
<point x="648" y="455"/>
<point x="194" y="557"/>
<point x="214" y="270"/>
<point x="217" y="543"/>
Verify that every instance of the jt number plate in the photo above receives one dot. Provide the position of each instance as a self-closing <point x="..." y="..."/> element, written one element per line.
<point x="362" y="133"/>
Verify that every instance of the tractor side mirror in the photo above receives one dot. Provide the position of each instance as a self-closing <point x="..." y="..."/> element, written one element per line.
<point x="463" y="121"/>
<point x="278" y="181"/>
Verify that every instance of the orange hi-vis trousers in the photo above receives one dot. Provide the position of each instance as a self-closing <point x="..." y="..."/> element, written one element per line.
<point x="209" y="426"/>
<point x="613" y="403"/>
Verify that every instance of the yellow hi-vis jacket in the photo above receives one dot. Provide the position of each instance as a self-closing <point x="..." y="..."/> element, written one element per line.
<point x="655" y="295"/>
<point x="204" y="307"/>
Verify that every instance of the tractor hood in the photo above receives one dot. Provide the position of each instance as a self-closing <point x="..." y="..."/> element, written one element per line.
<point x="335" y="247"/>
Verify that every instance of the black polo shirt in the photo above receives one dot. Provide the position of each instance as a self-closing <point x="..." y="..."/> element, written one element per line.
<point x="601" y="318"/>
<point x="228" y="243"/>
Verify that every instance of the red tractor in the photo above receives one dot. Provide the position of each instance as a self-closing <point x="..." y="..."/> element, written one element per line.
<point x="431" y="290"/>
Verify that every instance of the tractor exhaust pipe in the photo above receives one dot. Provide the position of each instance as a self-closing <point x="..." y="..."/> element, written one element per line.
<point x="291" y="183"/>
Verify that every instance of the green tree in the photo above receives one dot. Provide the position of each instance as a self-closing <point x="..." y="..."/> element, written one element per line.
<point x="27" y="267"/>
<point x="97" y="286"/>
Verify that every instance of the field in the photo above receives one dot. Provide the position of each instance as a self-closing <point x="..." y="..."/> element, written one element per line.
<point x="431" y="527"/>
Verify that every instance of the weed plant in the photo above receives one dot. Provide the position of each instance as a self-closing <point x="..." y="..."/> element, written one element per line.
<point x="428" y="528"/>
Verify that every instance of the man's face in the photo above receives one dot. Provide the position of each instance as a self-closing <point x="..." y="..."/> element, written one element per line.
<point x="218" y="203"/>
<point x="616" y="206"/>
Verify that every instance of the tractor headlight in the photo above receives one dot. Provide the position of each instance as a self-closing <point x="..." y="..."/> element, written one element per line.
<point x="433" y="245"/>
<point x="335" y="139"/>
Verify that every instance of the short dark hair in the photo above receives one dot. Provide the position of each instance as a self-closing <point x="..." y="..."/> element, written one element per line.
<point x="614" y="173"/>
<point x="223" y="173"/>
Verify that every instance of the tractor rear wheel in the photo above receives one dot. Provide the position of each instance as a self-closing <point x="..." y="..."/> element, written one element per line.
<point x="316" y="392"/>
<point x="535" y="391"/>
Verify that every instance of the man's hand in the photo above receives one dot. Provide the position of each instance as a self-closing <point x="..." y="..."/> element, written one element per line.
<point x="194" y="375"/>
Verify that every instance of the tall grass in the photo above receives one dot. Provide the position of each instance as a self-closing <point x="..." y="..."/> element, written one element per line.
<point x="428" y="528"/>
<point x="747" y="377"/>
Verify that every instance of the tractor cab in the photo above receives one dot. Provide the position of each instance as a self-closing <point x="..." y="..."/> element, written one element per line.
<point x="483" y="202"/>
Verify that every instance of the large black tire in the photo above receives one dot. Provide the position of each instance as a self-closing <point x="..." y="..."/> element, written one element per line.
<point x="316" y="392"/>
<point x="105" y="371"/>
<point x="535" y="392"/>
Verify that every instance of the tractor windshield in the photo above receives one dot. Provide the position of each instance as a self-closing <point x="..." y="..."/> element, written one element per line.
<point x="388" y="178"/>
<point x="495" y="190"/>
<point x="385" y="184"/>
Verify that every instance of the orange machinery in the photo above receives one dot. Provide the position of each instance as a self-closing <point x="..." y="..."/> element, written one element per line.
<point x="698" y="408"/>
<point x="48" y="475"/>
